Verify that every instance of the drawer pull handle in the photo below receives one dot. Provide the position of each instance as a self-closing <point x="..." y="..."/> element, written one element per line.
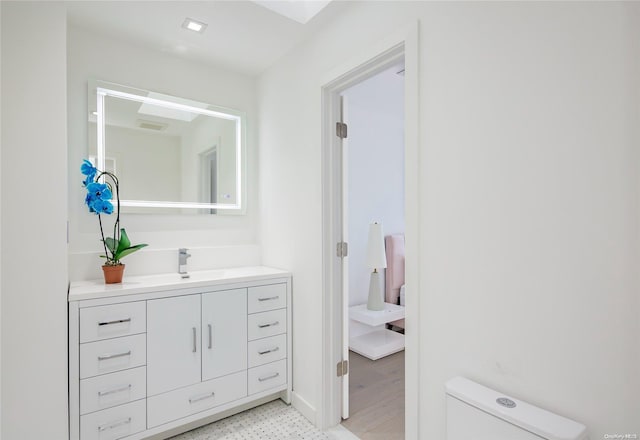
<point x="195" y="347"/>
<point x="269" y="325"/>
<point x="117" y="321"/>
<point x="104" y="357"/>
<point x="269" y="298"/>
<point x="273" y="376"/>
<point x="269" y="351"/>
<point x="106" y="426"/>
<point x="198" y="399"/>
<point x="210" y="337"/>
<point x="117" y="390"/>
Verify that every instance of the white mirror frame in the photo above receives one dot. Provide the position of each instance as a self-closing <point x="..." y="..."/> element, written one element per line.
<point x="102" y="93"/>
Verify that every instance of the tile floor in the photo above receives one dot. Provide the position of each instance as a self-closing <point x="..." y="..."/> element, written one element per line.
<point x="271" y="421"/>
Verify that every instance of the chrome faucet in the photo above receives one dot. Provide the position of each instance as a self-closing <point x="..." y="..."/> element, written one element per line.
<point x="182" y="262"/>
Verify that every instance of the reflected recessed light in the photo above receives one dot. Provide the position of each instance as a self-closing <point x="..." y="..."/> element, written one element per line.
<point x="194" y="25"/>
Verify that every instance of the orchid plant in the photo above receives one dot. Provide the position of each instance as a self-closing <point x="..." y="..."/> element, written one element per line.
<point x="98" y="199"/>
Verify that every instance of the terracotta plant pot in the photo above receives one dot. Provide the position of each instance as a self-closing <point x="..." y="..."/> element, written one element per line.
<point x="113" y="274"/>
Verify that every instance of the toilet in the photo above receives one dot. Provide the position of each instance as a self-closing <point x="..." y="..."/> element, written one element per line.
<point x="475" y="412"/>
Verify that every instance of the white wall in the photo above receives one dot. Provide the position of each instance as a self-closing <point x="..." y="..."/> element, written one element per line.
<point x="375" y="157"/>
<point x="529" y="199"/>
<point x="215" y="241"/>
<point x="34" y="213"/>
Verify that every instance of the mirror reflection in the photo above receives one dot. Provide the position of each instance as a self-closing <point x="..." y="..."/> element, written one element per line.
<point x="173" y="153"/>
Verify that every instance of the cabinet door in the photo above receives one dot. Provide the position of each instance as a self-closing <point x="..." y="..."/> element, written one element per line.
<point x="224" y="332"/>
<point x="173" y="343"/>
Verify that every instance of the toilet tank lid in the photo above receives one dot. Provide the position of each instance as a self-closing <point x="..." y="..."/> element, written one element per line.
<point x="536" y="420"/>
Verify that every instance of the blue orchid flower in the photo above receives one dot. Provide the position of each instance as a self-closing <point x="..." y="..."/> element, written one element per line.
<point x="99" y="191"/>
<point x="88" y="170"/>
<point x="88" y="200"/>
<point x="100" y="206"/>
<point x="88" y="180"/>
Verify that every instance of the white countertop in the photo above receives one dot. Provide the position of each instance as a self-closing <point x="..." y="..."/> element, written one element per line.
<point x="83" y="290"/>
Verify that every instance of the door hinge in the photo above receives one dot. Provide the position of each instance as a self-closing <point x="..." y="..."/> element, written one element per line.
<point x="342" y="368"/>
<point x="342" y="249"/>
<point x="341" y="130"/>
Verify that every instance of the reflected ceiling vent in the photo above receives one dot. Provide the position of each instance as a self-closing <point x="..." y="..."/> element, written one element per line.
<point x="151" y="125"/>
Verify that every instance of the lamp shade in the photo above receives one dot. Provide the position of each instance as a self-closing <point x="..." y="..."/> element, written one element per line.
<point x="376" y="258"/>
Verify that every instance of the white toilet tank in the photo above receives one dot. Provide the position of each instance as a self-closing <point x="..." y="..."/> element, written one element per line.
<point x="475" y="412"/>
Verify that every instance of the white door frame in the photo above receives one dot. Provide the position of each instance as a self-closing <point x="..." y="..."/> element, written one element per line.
<point x="366" y="63"/>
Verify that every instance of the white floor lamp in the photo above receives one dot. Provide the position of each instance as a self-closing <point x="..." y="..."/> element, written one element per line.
<point x="376" y="259"/>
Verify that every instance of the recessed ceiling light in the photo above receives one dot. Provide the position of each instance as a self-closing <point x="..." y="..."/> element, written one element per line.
<point x="194" y="25"/>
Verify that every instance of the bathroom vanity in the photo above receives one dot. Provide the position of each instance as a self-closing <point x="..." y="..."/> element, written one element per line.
<point x="159" y="354"/>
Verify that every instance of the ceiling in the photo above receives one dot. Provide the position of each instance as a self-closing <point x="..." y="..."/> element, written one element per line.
<point x="241" y="36"/>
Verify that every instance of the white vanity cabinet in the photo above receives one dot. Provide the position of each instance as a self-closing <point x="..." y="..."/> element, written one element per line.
<point x="224" y="332"/>
<point x="156" y="354"/>
<point x="173" y="335"/>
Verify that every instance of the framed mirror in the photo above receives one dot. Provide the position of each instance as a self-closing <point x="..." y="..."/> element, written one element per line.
<point x="171" y="154"/>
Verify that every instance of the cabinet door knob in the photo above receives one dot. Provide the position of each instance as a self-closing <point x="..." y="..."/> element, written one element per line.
<point x="195" y="347"/>
<point x="269" y="325"/>
<point x="210" y="336"/>
<point x="269" y="298"/>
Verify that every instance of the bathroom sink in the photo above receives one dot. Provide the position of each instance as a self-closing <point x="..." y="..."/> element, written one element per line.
<point x="176" y="278"/>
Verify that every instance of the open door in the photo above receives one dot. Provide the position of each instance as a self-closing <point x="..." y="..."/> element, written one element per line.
<point x="342" y="133"/>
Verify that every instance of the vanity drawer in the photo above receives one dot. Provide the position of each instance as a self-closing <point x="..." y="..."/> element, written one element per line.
<point x="270" y="297"/>
<point x="114" y="423"/>
<point x="182" y="402"/>
<point x="111" y="355"/>
<point x="267" y="376"/>
<point x="266" y="350"/>
<point x="105" y="322"/>
<point x="262" y="325"/>
<point x="112" y="389"/>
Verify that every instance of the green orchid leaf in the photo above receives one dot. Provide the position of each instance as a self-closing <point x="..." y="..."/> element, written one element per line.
<point x="129" y="250"/>
<point x="112" y="244"/>
<point x="124" y="241"/>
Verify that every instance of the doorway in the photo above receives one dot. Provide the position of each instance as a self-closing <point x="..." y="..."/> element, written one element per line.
<point x="402" y="45"/>
<point x="209" y="177"/>
<point x="373" y="191"/>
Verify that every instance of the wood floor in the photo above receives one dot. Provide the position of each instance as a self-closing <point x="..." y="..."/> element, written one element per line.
<point x="376" y="397"/>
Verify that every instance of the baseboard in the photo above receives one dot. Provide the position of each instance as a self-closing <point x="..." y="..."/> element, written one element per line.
<point x="304" y="407"/>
